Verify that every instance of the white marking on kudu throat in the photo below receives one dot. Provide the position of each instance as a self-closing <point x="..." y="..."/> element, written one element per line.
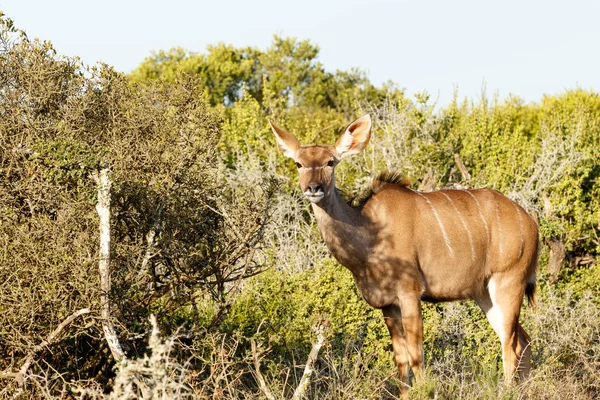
<point x="439" y="220"/>
<point x="464" y="224"/>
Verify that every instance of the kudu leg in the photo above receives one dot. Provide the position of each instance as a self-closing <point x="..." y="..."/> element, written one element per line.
<point x="393" y="321"/>
<point x="523" y="351"/>
<point x="501" y="306"/>
<point x="412" y="322"/>
<point x="516" y="354"/>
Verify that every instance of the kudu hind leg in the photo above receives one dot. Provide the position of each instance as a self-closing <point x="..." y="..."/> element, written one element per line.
<point x="523" y="352"/>
<point x="502" y="306"/>
<point x="393" y="321"/>
<point x="516" y="354"/>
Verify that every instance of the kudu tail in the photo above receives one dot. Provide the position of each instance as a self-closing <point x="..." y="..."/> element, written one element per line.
<point x="530" y="292"/>
<point x="531" y="287"/>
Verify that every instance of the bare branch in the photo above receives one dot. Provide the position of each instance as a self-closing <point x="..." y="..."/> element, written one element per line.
<point x="224" y="309"/>
<point x="466" y="176"/>
<point x="151" y="239"/>
<point x="259" y="376"/>
<point x="312" y="357"/>
<point x="45" y="343"/>
<point x="558" y="156"/>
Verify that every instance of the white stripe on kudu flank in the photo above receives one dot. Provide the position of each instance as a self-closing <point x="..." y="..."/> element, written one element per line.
<point x="485" y="225"/>
<point x="464" y="224"/>
<point x="499" y="226"/>
<point x="439" y="220"/>
<point x="521" y="229"/>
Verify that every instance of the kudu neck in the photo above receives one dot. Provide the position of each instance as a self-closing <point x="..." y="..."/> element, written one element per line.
<point x="344" y="230"/>
<point x="334" y="209"/>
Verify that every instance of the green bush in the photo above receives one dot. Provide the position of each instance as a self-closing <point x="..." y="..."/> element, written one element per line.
<point x="285" y="308"/>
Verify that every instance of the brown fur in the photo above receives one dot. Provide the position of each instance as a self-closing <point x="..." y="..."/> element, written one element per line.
<point x="404" y="246"/>
<point x="382" y="179"/>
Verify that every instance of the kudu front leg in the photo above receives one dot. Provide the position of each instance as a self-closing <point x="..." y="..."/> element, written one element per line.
<point x="412" y="322"/>
<point x="393" y="321"/>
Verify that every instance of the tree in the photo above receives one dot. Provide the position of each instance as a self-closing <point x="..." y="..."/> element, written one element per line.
<point x="288" y="69"/>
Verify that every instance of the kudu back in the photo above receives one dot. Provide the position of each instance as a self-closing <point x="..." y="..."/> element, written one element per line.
<point x="403" y="246"/>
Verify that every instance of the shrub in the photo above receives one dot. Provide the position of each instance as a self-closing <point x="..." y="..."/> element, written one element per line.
<point x="179" y="230"/>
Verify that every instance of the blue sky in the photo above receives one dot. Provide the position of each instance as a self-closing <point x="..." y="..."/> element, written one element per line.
<point x="525" y="48"/>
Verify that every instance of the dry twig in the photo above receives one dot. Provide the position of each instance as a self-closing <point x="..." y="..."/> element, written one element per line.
<point x="19" y="376"/>
<point x="466" y="176"/>
<point x="259" y="376"/>
<point x="312" y="357"/>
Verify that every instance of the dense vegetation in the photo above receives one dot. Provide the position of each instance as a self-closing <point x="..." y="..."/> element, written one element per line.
<point x="211" y="237"/>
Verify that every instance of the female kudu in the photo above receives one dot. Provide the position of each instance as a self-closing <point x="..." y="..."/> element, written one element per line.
<point x="404" y="246"/>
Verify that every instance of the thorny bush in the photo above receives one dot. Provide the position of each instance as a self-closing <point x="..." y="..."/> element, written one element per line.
<point x="180" y="231"/>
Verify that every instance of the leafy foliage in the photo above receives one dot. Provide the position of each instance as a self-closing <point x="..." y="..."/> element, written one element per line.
<point x="287" y="70"/>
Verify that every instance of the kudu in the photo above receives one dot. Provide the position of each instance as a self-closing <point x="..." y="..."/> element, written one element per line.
<point x="403" y="246"/>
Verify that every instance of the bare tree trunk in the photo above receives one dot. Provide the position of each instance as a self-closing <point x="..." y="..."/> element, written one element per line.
<point x="103" y="209"/>
<point x="557" y="256"/>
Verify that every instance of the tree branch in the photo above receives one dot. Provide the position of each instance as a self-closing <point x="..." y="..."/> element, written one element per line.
<point x="429" y="182"/>
<point x="151" y="239"/>
<point x="224" y="309"/>
<point x="259" y="376"/>
<point x="312" y="357"/>
<point x="466" y="176"/>
<point x="19" y="376"/>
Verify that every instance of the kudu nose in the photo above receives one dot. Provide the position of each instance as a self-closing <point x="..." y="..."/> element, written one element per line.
<point x="314" y="188"/>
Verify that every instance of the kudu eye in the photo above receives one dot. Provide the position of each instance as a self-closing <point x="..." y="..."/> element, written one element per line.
<point x="330" y="163"/>
<point x="298" y="165"/>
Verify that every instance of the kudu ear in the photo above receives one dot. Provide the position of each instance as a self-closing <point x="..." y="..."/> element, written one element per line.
<point x="286" y="142"/>
<point x="355" y="138"/>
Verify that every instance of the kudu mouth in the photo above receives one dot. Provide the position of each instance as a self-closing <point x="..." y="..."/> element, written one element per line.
<point x="314" y="193"/>
<point x="314" y="197"/>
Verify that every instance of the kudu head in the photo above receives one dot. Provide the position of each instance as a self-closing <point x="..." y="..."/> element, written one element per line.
<point x="316" y="163"/>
